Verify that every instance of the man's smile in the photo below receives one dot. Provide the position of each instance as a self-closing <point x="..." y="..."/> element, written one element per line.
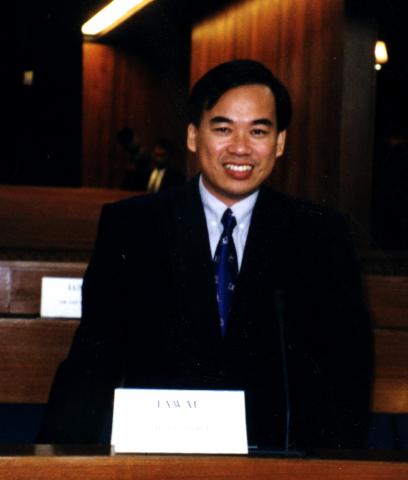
<point x="238" y="171"/>
<point x="238" y="168"/>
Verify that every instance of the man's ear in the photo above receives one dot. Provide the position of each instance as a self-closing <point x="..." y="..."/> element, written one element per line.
<point x="192" y="137"/>
<point x="280" y="143"/>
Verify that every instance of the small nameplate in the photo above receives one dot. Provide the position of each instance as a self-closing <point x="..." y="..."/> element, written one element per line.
<point x="179" y="421"/>
<point x="61" y="297"/>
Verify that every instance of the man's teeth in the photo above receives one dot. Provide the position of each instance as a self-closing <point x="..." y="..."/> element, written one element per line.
<point x="238" y="168"/>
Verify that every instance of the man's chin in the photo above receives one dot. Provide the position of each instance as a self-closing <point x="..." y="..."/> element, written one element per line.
<point x="229" y="197"/>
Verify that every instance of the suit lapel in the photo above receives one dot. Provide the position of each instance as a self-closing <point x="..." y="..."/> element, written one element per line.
<point x="194" y="267"/>
<point x="263" y="264"/>
<point x="263" y="261"/>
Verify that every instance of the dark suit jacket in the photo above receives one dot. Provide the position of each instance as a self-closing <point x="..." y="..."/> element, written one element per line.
<point x="138" y="179"/>
<point x="171" y="178"/>
<point x="150" y="320"/>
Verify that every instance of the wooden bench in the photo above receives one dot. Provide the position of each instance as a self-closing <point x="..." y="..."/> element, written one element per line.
<point x="31" y="347"/>
<point x="40" y="223"/>
<point x="47" y="222"/>
<point x="31" y="351"/>
<point x="387" y="301"/>
<point x="20" y="283"/>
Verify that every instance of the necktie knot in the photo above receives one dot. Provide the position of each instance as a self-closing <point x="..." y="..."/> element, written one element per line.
<point x="229" y="221"/>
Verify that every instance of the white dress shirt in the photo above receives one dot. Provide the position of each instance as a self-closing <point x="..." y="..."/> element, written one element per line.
<point x="214" y="210"/>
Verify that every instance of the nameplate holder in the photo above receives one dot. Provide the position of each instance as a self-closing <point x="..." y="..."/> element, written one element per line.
<point x="61" y="297"/>
<point x="179" y="421"/>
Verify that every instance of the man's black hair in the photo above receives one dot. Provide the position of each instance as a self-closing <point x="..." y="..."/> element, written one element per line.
<point x="236" y="73"/>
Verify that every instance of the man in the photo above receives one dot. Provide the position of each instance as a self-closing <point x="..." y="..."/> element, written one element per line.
<point x="137" y="168"/>
<point x="163" y="175"/>
<point x="224" y="284"/>
<point x="151" y="172"/>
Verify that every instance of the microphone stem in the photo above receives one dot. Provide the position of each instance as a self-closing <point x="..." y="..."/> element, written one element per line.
<point x="280" y="313"/>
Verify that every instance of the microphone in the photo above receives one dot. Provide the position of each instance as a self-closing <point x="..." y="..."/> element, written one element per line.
<point x="279" y="303"/>
<point x="279" y="309"/>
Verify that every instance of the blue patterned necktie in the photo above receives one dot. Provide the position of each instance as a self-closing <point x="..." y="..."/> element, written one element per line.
<point x="226" y="268"/>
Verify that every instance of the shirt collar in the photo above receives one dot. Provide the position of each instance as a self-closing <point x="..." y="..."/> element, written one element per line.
<point x="214" y="208"/>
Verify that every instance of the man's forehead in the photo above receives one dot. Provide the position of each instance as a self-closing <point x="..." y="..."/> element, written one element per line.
<point x="236" y="90"/>
<point x="252" y="101"/>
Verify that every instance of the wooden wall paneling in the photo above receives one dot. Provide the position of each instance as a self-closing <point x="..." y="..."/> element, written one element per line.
<point x="138" y="104"/>
<point x="357" y="125"/>
<point x="302" y="43"/>
<point x="318" y="52"/>
<point x="122" y="88"/>
<point x="97" y="97"/>
<point x="124" y="111"/>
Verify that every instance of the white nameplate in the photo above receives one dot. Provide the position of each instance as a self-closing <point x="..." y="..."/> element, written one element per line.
<point x="61" y="297"/>
<point x="179" y="421"/>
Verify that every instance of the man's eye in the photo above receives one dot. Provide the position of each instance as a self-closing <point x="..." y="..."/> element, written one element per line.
<point x="259" y="132"/>
<point x="223" y="130"/>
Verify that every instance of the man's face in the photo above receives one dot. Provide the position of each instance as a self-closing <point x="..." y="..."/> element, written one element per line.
<point x="159" y="155"/>
<point x="237" y="142"/>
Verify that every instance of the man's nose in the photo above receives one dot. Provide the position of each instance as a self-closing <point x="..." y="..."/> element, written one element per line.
<point x="239" y="144"/>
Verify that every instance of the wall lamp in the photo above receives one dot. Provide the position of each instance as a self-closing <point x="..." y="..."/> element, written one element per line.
<point x="111" y="16"/>
<point x="381" y="54"/>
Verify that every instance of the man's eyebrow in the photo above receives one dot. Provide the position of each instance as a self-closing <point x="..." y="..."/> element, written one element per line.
<point x="263" y="121"/>
<point x="258" y="121"/>
<point x="220" y="119"/>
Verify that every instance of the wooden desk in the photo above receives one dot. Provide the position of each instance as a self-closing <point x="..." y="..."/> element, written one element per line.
<point x="48" y="466"/>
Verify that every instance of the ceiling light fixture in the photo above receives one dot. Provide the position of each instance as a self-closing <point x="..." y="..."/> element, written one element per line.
<point x="111" y="16"/>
